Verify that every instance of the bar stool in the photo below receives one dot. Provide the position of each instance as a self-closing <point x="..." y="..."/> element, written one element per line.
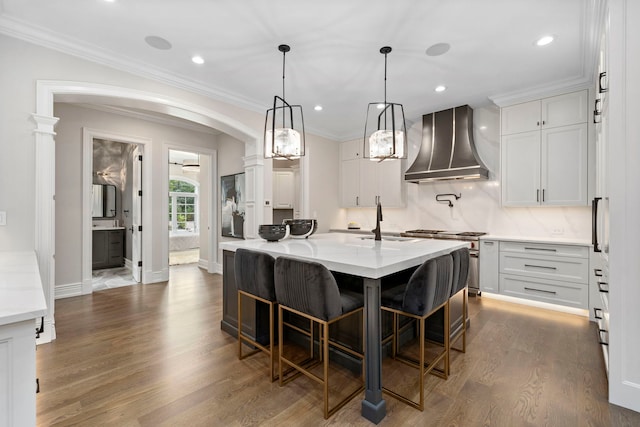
<point x="460" y="276"/>
<point x="254" y="279"/>
<point x="427" y="290"/>
<point x="308" y="289"/>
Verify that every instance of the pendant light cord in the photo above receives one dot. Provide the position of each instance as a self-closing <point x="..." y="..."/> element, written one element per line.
<point x="284" y="53"/>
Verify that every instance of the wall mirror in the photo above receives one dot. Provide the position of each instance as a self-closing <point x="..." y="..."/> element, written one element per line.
<point x="103" y="201"/>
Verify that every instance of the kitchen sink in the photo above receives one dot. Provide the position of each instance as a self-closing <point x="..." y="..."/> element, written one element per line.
<point x="391" y="239"/>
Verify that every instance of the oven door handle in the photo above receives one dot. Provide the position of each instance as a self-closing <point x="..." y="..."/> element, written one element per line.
<point x="473" y="254"/>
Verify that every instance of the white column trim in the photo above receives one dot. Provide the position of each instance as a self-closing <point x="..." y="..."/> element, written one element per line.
<point x="45" y="157"/>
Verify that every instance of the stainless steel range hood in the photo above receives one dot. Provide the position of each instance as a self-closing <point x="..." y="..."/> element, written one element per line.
<point x="447" y="151"/>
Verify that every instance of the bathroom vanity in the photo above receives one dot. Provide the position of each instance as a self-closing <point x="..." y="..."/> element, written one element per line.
<point x="108" y="247"/>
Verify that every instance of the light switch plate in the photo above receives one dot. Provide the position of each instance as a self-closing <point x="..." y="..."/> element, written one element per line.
<point x="3" y="218"/>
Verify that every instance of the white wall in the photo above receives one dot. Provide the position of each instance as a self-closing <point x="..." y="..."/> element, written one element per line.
<point x="69" y="178"/>
<point x="479" y="207"/>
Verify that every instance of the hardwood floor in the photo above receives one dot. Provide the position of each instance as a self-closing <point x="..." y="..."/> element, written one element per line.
<point x="154" y="355"/>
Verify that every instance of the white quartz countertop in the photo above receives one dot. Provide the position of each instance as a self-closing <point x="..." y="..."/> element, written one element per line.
<point x="353" y="253"/>
<point x="106" y="227"/>
<point x="21" y="295"/>
<point x="559" y="240"/>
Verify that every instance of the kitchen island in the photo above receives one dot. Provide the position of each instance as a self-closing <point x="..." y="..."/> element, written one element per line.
<point x="355" y="255"/>
<point x="21" y="303"/>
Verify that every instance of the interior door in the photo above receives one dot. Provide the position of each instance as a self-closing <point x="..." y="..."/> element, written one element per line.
<point x="136" y="216"/>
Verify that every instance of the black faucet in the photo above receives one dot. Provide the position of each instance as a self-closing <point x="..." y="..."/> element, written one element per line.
<point x="376" y="230"/>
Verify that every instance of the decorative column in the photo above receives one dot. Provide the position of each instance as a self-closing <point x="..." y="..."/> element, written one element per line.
<point x="45" y="215"/>
<point x="254" y="190"/>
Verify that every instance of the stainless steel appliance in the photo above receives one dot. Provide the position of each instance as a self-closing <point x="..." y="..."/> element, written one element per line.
<point x="467" y="236"/>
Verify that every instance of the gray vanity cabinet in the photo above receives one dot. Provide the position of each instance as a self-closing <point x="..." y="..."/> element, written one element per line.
<point x="108" y="248"/>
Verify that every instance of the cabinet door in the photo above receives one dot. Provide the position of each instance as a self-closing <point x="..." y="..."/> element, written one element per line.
<point x="564" y="166"/>
<point x="391" y="183"/>
<point x="368" y="183"/>
<point x="351" y="150"/>
<point x="283" y="190"/>
<point x="521" y="169"/>
<point x="100" y="252"/>
<point x="520" y="118"/>
<point x="489" y="267"/>
<point x="563" y="110"/>
<point x="349" y="183"/>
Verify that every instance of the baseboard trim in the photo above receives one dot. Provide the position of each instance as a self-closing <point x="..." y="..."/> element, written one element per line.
<point x="155" y="276"/>
<point x="538" y="304"/>
<point x="68" y="290"/>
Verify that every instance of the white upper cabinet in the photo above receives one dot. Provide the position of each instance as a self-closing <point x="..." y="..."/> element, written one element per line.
<point x="364" y="183"/>
<point x="564" y="110"/>
<point x="544" y="152"/>
<point x="351" y="150"/>
<point x="564" y="165"/>
<point x="521" y="118"/>
<point x="561" y="110"/>
<point x="283" y="190"/>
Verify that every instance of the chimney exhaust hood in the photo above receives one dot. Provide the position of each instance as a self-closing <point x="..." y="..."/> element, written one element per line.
<point x="447" y="151"/>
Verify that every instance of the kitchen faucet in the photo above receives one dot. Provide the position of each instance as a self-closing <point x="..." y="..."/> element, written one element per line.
<point x="376" y="230"/>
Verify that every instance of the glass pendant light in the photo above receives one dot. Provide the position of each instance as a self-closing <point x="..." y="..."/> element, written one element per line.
<point x="283" y="125"/>
<point x="385" y="129"/>
<point x="191" y="165"/>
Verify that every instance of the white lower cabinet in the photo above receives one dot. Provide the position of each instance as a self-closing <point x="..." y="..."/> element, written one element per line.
<point x="488" y="268"/>
<point x="18" y="374"/>
<point x="551" y="273"/>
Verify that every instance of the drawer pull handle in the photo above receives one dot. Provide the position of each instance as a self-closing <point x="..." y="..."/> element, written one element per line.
<point x="488" y="243"/>
<point x="597" y="310"/>
<point x="539" y="249"/>
<point x="597" y="272"/>
<point x="540" y="266"/>
<point x="601" y="288"/>
<point x="601" y="341"/>
<point x="539" y="290"/>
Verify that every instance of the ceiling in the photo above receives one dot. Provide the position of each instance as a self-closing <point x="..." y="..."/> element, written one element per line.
<point x="334" y="59"/>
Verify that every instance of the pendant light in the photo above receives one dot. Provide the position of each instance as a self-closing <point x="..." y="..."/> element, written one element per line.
<point x="191" y="165"/>
<point x="283" y="125"/>
<point x="385" y="129"/>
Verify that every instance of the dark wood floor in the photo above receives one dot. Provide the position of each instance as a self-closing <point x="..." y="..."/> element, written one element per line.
<point x="152" y="355"/>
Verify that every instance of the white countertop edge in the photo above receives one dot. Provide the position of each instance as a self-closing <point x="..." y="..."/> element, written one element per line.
<point x="21" y="294"/>
<point x="537" y="239"/>
<point x="354" y="261"/>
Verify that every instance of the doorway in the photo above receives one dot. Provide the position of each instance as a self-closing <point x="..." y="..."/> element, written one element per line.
<point x="112" y="206"/>
<point x="185" y="210"/>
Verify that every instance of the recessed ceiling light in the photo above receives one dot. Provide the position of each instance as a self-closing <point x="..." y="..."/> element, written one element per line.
<point x="198" y="60"/>
<point x="158" y="42"/>
<point x="110" y="1"/>
<point x="438" y="49"/>
<point x="440" y="88"/>
<point x="543" y="41"/>
<point x="483" y="128"/>
<point x="318" y="108"/>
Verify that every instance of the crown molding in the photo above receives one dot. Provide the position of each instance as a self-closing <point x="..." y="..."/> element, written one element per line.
<point x="37" y="35"/>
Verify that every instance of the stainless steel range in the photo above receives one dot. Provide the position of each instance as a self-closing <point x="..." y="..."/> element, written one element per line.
<point x="467" y="236"/>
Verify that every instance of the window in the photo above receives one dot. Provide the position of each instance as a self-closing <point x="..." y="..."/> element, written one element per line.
<point x="183" y="206"/>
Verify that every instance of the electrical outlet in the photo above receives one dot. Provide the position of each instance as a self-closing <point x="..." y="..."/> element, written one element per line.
<point x="558" y="231"/>
<point x="267" y="203"/>
<point x="3" y="218"/>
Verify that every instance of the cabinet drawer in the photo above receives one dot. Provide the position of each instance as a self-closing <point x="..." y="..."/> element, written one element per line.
<point x="545" y="249"/>
<point x="550" y="291"/>
<point x="546" y="267"/>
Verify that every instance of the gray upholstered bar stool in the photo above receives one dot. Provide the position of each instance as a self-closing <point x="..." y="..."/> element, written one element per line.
<point x="254" y="279"/>
<point x="308" y="289"/>
<point x="427" y="290"/>
<point x="460" y="276"/>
